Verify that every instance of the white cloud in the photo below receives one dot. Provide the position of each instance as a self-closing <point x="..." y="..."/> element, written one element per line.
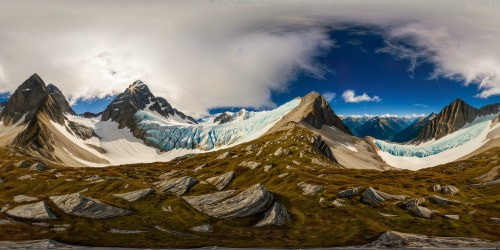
<point x="350" y="96"/>
<point x="208" y="54"/>
<point x="329" y="96"/>
<point x="421" y="105"/>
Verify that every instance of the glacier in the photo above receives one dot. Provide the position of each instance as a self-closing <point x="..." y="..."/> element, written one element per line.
<point x="207" y="136"/>
<point x="434" y="152"/>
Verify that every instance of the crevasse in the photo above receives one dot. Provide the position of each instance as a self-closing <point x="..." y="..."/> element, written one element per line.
<point x="170" y="136"/>
<point x="456" y="139"/>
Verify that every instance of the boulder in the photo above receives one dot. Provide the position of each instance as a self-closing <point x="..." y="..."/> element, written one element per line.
<point x="23" y="164"/>
<point x="168" y="175"/>
<point x="253" y="200"/>
<point x="251" y="147"/>
<point x="79" y="205"/>
<point x="250" y="164"/>
<point x="176" y="186"/>
<point x="267" y="168"/>
<point x="373" y="197"/>
<point x="495" y="220"/>
<point x="223" y="156"/>
<point x="449" y="189"/>
<point x="33" y="211"/>
<point x="440" y="200"/>
<point x="281" y="176"/>
<point x="452" y="216"/>
<point x="38" y="167"/>
<point x="202" y="166"/>
<point x="348" y="193"/>
<point x="277" y="215"/>
<point x="423" y="212"/>
<point x="135" y="195"/>
<point x="221" y="181"/>
<point x="309" y="189"/>
<point x="338" y="202"/>
<point x="207" y="228"/>
<point x="282" y="152"/>
<point x="25" y="177"/>
<point x="436" y="188"/>
<point x="24" y="198"/>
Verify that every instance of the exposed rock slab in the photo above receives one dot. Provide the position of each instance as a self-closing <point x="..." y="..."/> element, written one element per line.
<point x="176" y="186"/>
<point x="221" y="181"/>
<point x="373" y="197"/>
<point x="223" y="156"/>
<point x="23" y="164"/>
<point x="207" y="228"/>
<point x="276" y="216"/>
<point x="135" y="195"/>
<point x="79" y="205"/>
<point x="449" y="189"/>
<point x="441" y="200"/>
<point x="309" y="189"/>
<point x="250" y="164"/>
<point x="253" y="200"/>
<point x="168" y="175"/>
<point x="394" y="239"/>
<point x="38" y="167"/>
<point x="33" y="211"/>
<point x="24" y="198"/>
<point x="452" y="216"/>
<point x="348" y="193"/>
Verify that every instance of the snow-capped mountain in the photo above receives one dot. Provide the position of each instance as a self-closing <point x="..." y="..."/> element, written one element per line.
<point x="412" y="131"/>
<point x="382" y="126"/>
<point x="453" y="117"/>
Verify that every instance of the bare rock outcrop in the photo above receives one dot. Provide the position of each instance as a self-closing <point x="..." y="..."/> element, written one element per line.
<point x="373" y="197"/>
<point x="176" y="186"/>
<point x="33" y="211"/>
<point x="24" y="198"/>
<point x="309" y="189"/>
<point x="254" y="200"/>
<point x="394" y="239"/>
<point x="221" y="181"/>
<point x="276" y="216"/>
<point x="250" y="164"/>
<point x="135" y="195"/>
<point x="348" y="193"/>
<point x="79" y="205"/>
<point x="441" y="200"/>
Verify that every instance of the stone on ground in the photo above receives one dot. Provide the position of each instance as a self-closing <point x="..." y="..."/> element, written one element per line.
<point x="79" y="205"/>
<point x="33" y="211"/>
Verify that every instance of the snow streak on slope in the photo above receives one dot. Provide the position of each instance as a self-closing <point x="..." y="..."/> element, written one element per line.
<point x="209" y="136"/>
<point x="435" y="152"/>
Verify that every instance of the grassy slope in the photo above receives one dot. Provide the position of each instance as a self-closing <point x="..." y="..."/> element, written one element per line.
<point x="313" y="225"/>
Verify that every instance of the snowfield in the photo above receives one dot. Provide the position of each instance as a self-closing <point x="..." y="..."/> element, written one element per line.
<point x="435" y="152"/>
<point x="208" y="136"/>
<point x="176" y="137"/>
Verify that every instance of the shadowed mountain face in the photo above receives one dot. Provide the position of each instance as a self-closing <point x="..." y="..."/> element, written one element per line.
<point x="381" y="128"/>
<point x="60" y="99"/>
<point x="453" y="117"/>
<point x="135" y="98"/>
<point x="28" y="100"/>
<point x="413" y="130"/>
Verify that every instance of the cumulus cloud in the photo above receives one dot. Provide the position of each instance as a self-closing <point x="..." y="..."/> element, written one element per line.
<point x="329" y="96"/>
<point x="208" y="54"/>
<point x="350" y="96"/>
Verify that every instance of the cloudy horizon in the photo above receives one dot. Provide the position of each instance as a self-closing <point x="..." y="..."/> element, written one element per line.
<point x="211" y="54"/>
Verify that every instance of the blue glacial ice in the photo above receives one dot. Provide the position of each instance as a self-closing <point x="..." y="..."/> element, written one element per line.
<point x="168" y="136"/>
<point x="456" y="139"/>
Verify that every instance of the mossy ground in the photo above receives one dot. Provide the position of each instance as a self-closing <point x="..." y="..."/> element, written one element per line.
<point x="312" y="225"/>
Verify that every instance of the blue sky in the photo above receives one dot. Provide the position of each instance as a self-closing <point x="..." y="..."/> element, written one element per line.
<point x="354" y="64"/>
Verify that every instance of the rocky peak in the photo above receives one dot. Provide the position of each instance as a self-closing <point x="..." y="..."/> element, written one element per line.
<point x="60" y="99"/>
<point x="448" y="120"/>
<point x="135" y="98"/>
<point x="28" y="100"/>
<point x="320" y="113"/>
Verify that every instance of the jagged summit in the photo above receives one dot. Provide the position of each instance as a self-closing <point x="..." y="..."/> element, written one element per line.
<point x="60" y="99"/>
<point x="453" y="117"/>
<point x="380" y="128"/>
<point x="414" y="129"/>
<point x="135" y="98"/>
<point x="31" y="97"/>
<point x="315" y="111"/>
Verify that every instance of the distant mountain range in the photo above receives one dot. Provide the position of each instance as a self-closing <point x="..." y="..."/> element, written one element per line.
<point x="138" y="126"/>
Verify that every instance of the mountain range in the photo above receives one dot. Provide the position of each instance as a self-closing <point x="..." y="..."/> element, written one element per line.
<point x="137" y="127"/>
<point x="142" y="173"/>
